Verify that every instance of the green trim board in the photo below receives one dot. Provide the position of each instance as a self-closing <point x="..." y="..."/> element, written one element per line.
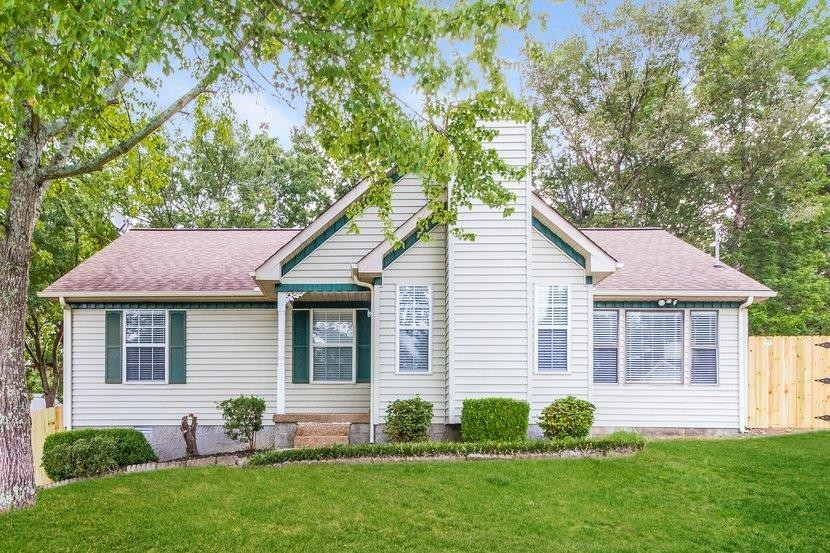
<point x="176" y="305"/>
<point x="321" y="287"/>
<point x="377" y="281"/>
<point x="566" y="248"/>
<point x="408" y="242"/>
<point x="604" y="304"/>
<point x="331" y="305"/>
<point x="330" y="231"/>
<point x="589" y="279"/>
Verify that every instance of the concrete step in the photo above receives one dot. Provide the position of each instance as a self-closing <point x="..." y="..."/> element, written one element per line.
<point x="319" y="441"/>
<point x="323" y="429"/>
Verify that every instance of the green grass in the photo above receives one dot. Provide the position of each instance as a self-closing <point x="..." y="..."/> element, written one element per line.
<point x="759" y="494"/>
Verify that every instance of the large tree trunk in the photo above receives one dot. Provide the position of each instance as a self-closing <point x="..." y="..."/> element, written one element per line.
<point x="17" y="487"/>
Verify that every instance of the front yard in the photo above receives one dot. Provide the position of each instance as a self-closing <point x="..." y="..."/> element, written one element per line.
<point x="745" y="494"/>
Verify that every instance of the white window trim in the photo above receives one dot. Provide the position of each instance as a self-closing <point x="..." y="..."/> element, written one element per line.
<point x="312" y="346"/>
<point x="623" y="376"/>
<point x="398" y="331"/>
<point x="124" y="348"/>
<point x="717" y="348"/>
<point x="620" y="353"/>
<point x="566" y="328"/>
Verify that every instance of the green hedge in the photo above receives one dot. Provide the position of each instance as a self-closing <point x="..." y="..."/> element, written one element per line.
<point x="626" y="441"/>
<point x="408" y="420"/>
<point x="567" y="416"/>
<point x="82" y="457"/>
<point x="131" y="447"/>
<point x="497" y="419"/>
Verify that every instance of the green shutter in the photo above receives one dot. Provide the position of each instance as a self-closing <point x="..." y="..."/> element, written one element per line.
<point x="178" y="362"/>
<point x="112" y="371"/>
<point x="299" y="357"/>
<point x="364" y="345"/>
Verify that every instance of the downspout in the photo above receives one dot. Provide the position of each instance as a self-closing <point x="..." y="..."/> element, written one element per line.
<point x="743" y="368"/>
<point x="67" y="363"/>
<point x="373" y="316"/>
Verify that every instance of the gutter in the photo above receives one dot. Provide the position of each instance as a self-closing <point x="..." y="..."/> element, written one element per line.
<point x="374" y="321"/>
<point x="743" y="355"/>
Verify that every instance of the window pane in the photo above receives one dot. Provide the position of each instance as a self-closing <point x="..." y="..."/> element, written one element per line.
<point x="413" y="350"/>
<point x="333" y="326"/>
<point x="413" y="328"/>
<point x="654" y="346"/>
<point x="704" y="366"/>
<point x="146" y="326"/>
<point x="553" y="350"/>
<point x="145" y="363"/>
<point x="332" y="364"/>
<point x="704" y="328"/>
<point x="552" y="305"/>
<point x="605" y="365"/>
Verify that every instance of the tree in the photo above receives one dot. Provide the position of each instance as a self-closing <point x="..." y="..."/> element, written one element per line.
<point x="693" y="113"/>
<point x="65" y="70"/>
<point x="223" y="175"/>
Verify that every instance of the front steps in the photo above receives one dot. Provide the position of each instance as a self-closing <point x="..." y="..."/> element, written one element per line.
<point x="317" y="434"/>
<point x="320" y="429"/>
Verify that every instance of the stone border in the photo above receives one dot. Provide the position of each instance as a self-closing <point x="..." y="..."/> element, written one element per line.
<point x="234" y="460"/>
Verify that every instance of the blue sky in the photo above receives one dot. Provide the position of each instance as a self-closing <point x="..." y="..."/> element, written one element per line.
<point x="264" y="110"/>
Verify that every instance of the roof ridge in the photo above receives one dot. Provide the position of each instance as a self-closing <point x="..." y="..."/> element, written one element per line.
<point x="215" y="229"/>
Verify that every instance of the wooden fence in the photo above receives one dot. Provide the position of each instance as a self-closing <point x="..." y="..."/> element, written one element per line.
<point x="789" y="382"/>
<point x="44" y="422"/>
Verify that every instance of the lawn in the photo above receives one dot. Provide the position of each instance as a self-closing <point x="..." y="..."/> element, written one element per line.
<point x="752" y="494"/>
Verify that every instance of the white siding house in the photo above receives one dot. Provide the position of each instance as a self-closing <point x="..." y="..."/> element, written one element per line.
<point x="330" y="327"/>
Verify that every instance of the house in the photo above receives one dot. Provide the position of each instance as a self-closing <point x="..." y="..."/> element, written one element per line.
<point x="330" y="327"/>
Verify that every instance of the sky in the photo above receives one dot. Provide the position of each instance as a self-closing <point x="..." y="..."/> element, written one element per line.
<point x="264" y="110"/>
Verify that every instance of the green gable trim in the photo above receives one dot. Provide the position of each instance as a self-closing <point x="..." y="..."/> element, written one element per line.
<point x="589" y="280"/>
<point x="321" y="287"/>
<point x="600" y="304"/>
<point x="558" y="242"/>
<point x="176" y="305"/>
<point x="330" y="231"/>
<point x="377" y="281"/>
<point x="331" y="305"/>
<point x="408" y="242"/>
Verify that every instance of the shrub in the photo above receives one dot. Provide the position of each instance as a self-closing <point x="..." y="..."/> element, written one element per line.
<point x="494" y="419"/>
<point x="617" y="442"/>
<point x="408" y="420"/>
<point x="567" y="417"/>
<point x="131" y="447"/>
<point x="243" y="418"/>
<point x="82" y="457"/>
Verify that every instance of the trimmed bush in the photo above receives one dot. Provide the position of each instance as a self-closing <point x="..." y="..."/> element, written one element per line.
<point x="82" y="457"/>
<point x="408" y="420"/>
<point x="495" y="419"/>
<point x="567" y="417"/>
<point x="243" y="418"/>
<point x="131" y="447"/>
<point x="619" y="441"/>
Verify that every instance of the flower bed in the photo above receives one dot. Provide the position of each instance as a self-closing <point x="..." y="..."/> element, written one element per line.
<point x="620" y="442"/>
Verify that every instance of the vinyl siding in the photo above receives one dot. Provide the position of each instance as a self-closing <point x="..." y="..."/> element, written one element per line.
<point x="552" y="266"/>
<point x="229" y="352"/>
<point x="489" y="290"/>
<point x="316" y="397"/>
<point x="677" y="406"/>
<point x="331" y="261"/>
<point x="423" y="263"/>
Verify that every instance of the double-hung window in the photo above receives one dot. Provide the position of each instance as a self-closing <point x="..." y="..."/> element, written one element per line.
<point x="654" y="347"/>
<point x="704" y="347"/>
<point x="552" y="328"/>
<point x="606" y="346"/>
<point x="414" y="307"/>
<point x="145" y="345"/>
<point x="332" y="338"/>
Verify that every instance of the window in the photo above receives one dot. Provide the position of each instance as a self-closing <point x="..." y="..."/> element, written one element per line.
<point x="332" y="338"/>
<point x="654" y="346"/>
<point x="606" y="348"/>
<point x="145" y="345"/>
<point x="552" y="329"/>
<point x="414" y="316"/>
<point x="704" y="347"/>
